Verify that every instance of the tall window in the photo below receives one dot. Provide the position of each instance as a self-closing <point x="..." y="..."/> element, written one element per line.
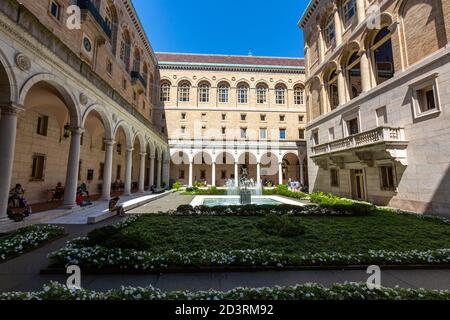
<point x="55" y="9"/>
<point x="125" y="49"/>
<point x="354" y="75"/>
<point x="165" y="92"/>
<point x="261" y="94"/>
<point x="382" y="56"/>
<point x="348" y="10"/>
<point x="282" y="134"/>
<point x="203" y="93"/>
<point x="111" y="22"/>
<point x="224" y="90"/>
<point x="387" y="180"/>
<point x="330" y="33"/>
<point x="137" y="61"/>
<point x="242" y="93"/>
<point x="42" y="125"/>
<point x="280" y="94"/>
<point x="333" y="96"/>
<point x="37" y="168"/>
<point x="299" y="95"/>
<point x="183" y="92"/>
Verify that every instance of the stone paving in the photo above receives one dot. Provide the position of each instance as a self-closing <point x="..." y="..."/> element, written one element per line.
<point x="23" y="273"/>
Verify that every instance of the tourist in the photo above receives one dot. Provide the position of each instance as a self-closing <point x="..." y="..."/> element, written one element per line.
<point x="84" y="189"/>
<point x="81" y="201"/>
<point x="114" y="207"/>
<point x="16" y="197"/>
<point x="59" y="192"/>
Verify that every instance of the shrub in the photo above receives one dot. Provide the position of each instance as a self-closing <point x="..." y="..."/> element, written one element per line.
<point x="283" y="226"/>
<point x="342" y="205"/>
<point x="110" y="237"/>
<point x="177" y="185"/>
<point x="283" y="190"/>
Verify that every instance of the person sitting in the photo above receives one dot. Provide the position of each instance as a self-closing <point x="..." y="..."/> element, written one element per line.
<point x="59" y="192"/>
<point x="81" y="201"/>
<point x="83" y="188"/>
<point x="115" y="207"/>
<point x="16" y="196"/>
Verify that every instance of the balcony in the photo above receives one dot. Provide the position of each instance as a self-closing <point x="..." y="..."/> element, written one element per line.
<point x="365" y="147"/>
<point x="88" y="8"/>
<point x="138" y="80"/>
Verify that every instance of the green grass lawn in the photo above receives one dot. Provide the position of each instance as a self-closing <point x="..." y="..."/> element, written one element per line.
<point x="387" y="231"/>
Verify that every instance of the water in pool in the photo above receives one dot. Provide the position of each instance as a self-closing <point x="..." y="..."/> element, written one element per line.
<point x="214" y="202"/>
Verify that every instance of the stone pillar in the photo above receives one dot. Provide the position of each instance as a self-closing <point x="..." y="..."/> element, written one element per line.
<point x="302" y="176"/>
<point x="280" y="173"/>
<point x="338" y="27"/>
<point x="365" y="72"/>
<point x="236" y="174"/>
<point x="341" y="86"/>
<point x="166" y="173"/>
<point x="129" y="166"/>
<point x="8" y="128"/>
<point x="321" y="45"/>
<point x="158" y="174"/>
<point x="258" y="172"/>
<point x="142" y="172"/>
<point x="151" y="179"/>
<point x="73" y="166"/>
<point x="191" y="173"/>
<point x="361" y="10"/>
<point x="107" y="170"/>
<point x="213" y="182"/>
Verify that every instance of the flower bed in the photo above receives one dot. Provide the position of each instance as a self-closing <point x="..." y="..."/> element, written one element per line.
<point x="283" y="190"/>
<point x="26" y="239"/>
<point x="349" y="291"/>
<point x="335" y="203"/>
<point x="213" y="191"/>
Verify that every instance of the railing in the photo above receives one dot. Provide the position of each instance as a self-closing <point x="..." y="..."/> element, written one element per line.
<point x="238" y="144"/>
<point x="92" y="9"/>
<point x="380" y="134"/>
<point x="135" y="75"/>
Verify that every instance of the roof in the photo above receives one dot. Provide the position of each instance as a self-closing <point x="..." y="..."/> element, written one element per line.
<point x="228" y="60"/>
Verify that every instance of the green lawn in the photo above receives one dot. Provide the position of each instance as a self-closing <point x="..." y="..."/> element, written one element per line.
<point x="387" y="231"/>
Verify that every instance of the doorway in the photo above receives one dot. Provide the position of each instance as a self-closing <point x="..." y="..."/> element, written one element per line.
<point x="358" y="184"/>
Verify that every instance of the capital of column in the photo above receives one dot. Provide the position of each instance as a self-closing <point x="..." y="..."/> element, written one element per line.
<point x="11" y="109"/>
<point x="110" y="142"/>
<point x="130" y="150"/>
<point x="77" y="130"/>
<point x="143" y="154"/>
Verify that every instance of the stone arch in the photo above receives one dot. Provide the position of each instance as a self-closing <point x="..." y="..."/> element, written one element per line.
<point x="229" y="157"/>
<point x="142" y="142"/>
<point x="253" y="157"/>
<point x="8" y="84"/>
<point x="243" y="81"/>
<point x="184" y="80"/>
<point x="265" y="158"/>
<point x="203" y="80"/>
<point x="152" y="148"/>
<point x="224" y="81"/>
<point x="100" y="110"/>
<point x="58" y="84"/>
<point x="126" y="130"/>
<point x="180" y="157"/>
<point x="347" y="51"/>
<point x="205" y="155"/>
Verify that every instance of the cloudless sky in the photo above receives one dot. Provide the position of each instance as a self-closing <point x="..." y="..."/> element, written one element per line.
<point x="268" y="27"/>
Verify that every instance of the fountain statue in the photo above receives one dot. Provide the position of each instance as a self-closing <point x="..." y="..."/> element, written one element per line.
<point x="244" y="193"/>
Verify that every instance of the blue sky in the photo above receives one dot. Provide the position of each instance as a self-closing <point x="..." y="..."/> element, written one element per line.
<point x="268" y="27"/>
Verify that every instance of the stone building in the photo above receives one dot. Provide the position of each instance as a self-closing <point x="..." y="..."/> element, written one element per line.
<point x="226" y="115"/>
<point x="378" y="101"/>
<point x="76" y="104"/>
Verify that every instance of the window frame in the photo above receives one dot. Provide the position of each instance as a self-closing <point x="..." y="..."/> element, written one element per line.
<point x="224" y="93"/>
<point x="345" y="9"/>
<point x="164" y="91"/>
<point x="431" y="80"/>
<point x="261" y="94"/>
<point x="299" y="96"/>
<point x="184" y="92"/>
<point x="390" y="187"/>
<point x="280" y="95"/>
<point x="329" y="31"/>
<point x="334" y="178"/>
<point x="204" y="93"/>
<point x="33" y="175"/>
<point x="242" y="94"/>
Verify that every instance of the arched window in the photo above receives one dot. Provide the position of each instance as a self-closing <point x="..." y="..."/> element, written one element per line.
<point x="348" y="11"/>
<point x="224" y="90"/>
<point x="242" y="93"/>
<point x="261" y="94"/>
<point x="184" y="92"/>
<point x="329" y="30"/>
<point x="137" y="61"/>
<point x="354" y="75"/>
<point x="280" y="94"/>
<point x="164" y="95"/>
<point x="333" y="96"/>
<point x="125" y="49"/>
<point x="299" y="95"/>
<point x="203" y="92"/>
<point x="111" y="21"/>
<point x="382" y="56"/>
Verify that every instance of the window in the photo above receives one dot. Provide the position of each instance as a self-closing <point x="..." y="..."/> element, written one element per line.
<point x="301" y="134"/>
<point x="282" y="134"/>
<point x="243" y="133"/>
<point x="282" y="118"/>
<point x="203" y="174"/>
<point x="425" y="98"/>
<point x="165" y="92"/>
<point x="243" y="117"/>
<point x="42" y="125"/>
<point x="163" y="130"/>
<point x="387" y="178"/>
<point x="299" y="95"/>
<point x="224" y="93"/>
<point x="242" y="94"/>
<point x="37" y="171"/>
<point x="382" y="116"/>
<point x="348" y="10"/>
<point x="124" y="84"/>
<point x="125" y="49"/>
<point x="333" y="96"/>
<point x="55" y="10"/>
<point x="331" y="135"/>
<point x="183" y="92"/>
<point x="354" y="75"/>
<point x="183" y="116"/>
<point x="315" y="137"/>
<point x="204" y="116"/>
<point x="224" y="130"/>
<point x="203" y="93"/>
<point x="163" y="116"/>
<point x="261" y="94"/>
<point x="329" y="30"/>
<point x="224" y="116"/>
<point x="223" y="174"/>
<point x="263" y="133"/>
<point x="280" y="95"/>
<point x="109" y="67"/>
<point x="334" y="177"/>
<point x="118" y="172"/>
<point x="301" y="119"/>
<point x="353" y="126"/>
<point x="90" y="175"/>
<point x="183" y="130"/>
<point x="181" y="174"/>
<point x="383" y="56"/>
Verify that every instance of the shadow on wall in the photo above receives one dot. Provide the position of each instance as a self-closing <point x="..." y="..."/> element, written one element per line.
<point x="440" y="203"/>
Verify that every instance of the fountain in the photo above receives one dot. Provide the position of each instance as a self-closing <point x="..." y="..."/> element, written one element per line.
<point x="244" y="193"/>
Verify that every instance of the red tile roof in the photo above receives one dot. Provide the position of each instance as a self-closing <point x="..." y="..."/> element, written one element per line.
<point x="230" y="60"/>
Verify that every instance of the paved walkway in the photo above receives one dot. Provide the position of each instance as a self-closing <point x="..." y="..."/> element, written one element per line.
<point x="23" y="273"/>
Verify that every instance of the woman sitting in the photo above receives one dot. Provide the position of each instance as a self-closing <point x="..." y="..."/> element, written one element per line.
<point x="115" y="207"/>
<point x="81" y="201"/>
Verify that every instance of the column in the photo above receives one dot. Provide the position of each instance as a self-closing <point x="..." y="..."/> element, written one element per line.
<point x="73" y="166"/>
<point x="142" y="172"/>
<point x="302" y="175"/>
<point x="258" y="172"/>
<point x="236" y="174"/>
<point x="158" y="174"/>
<point x="151" y="178"/>
<point x="107" y="170"/>
<point x="360" y="10"/>
<point x="213" y="182"/>
<point x="321" y="45"/>
<point x="365" y="72"/>
<point x="191" y="173"/>
<point x="280" y="173"/>
<point x="129" y="165"/>
<point x="341" y="86"/>
<point x="338" y="27"/>
<point x="166" y="174"/>
<point x="8" y="128"/>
